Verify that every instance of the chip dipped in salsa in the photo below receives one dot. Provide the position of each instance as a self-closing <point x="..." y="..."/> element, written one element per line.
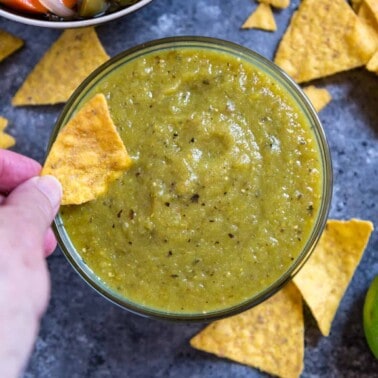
<point x="228" y="189"/>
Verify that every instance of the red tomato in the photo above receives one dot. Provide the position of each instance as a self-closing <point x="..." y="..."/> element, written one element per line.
<point x="69" y="3"/>
<point x="25" y="5"/>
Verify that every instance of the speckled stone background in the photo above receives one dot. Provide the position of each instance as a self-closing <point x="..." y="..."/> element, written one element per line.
<point x="82" y="335"/>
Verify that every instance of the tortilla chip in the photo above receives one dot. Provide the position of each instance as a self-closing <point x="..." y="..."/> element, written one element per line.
<point x="368" y="10"/>
<point x="8" y="44"/>
<point x="368" y="13"/>
<point x="319" y="97"/>
<point x="6" y="140"/>
<point x="324" y="37"/>
<point x="356" y="4"/>
<point x="269" y="336"/>
<point x="325" y="277"/>
<point x="281" y="4"/>
<point x="261" y="18"/>
<point x="75" y="54"/>
<point x="87" y="154"/>
<point x="373" y="63"/>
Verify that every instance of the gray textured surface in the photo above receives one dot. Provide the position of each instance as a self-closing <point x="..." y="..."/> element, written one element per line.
<point x="82" y="335"/>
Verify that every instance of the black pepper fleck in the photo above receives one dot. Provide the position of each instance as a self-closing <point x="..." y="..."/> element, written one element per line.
<point x="131" y="214"/>
<point x="194" y="198"/>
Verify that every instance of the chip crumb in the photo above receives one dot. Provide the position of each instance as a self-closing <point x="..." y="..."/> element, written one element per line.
<point x="319" y="97"/>
<point x="269" y="336"/>
<point x="74" y="55"/>
<point x="9" y="44"/>
<point x="6" y="140"/>
<point x="88" y="154"/>
<point x="261" y="18"/>
<point x="325" y="277"/>
<point x="324" y="37"/>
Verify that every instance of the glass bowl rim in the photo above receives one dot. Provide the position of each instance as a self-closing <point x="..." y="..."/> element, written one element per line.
<point x="69" y="24"/>
<point x="301" y="101"/>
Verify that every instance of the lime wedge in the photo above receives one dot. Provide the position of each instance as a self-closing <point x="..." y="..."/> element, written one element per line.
<point x="370" y="317"/>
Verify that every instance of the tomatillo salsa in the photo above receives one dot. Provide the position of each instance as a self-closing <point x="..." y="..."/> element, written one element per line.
<point x="224" y="190"/>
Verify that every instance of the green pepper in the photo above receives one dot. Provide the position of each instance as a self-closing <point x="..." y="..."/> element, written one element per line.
<point x="370" y="317"/>
<point x="89" y="8"/>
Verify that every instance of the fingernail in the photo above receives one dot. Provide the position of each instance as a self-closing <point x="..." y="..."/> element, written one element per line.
<point x="51" y="188"/>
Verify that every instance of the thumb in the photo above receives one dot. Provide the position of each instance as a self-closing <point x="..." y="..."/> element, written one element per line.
<point x="37" y="201"/>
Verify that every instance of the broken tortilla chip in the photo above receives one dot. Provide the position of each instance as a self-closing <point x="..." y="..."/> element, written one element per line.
<point x="87" y="154"/>
<point x="75" y="54"/>
<point x="325" y="277"/>
<point x="281" y="4"/>
<point x="319" y="97"/>
<point x="6" y="140"/>
<point x="324" y="37"/>
<point x="8" y="44"/>
<point x="269" y="336"/>
<point x="261" y="18"/>
<point x="372" y="64"/>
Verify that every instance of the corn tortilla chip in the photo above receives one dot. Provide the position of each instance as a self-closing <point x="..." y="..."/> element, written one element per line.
<point x="368" y="10"/>
<point x="6" y="140"/>
<point x="261" y="18"/>
<point x="75" y="54"/>
<point x="356" y="4"/>
<point x="325" y="277"/>
<point x="87" y="154"/>
<point x="319" y="97"/>
<point x="269" y="336"/>
<point x="8" y="44"/>
<point x="368" y="13"/>
<point x="324" y="37"/>
<point x="373" y="63"/>
<point x="281" y="4"/>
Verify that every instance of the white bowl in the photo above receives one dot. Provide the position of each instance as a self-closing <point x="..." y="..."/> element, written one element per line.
<point x="34" y="20"/>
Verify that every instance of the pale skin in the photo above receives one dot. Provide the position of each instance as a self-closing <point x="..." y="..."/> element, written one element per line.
<point x="28" y="204"/>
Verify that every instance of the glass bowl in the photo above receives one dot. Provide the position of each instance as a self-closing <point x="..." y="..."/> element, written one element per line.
<point x="283" y="81"/>
<point x="38" y="20"/>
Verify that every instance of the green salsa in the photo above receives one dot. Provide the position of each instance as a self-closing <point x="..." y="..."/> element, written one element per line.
<point x="224" y="190"/>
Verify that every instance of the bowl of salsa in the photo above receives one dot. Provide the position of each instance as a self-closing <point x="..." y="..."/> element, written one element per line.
<point x="229" y="189"/>
<point x="61" y="14"/>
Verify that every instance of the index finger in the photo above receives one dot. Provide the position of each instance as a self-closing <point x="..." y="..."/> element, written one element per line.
<point x="15" y="169"/>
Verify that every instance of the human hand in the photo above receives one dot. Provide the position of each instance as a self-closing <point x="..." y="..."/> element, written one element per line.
<point x="28" y="204"/>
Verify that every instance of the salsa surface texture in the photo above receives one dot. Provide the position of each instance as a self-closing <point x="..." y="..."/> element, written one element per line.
<point x="224" y="189"/>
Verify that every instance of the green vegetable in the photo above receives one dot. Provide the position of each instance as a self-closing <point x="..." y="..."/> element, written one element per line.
<point x="89" y="8"/>
<point x="370" y="317"/>
<point x="124" y="3"/>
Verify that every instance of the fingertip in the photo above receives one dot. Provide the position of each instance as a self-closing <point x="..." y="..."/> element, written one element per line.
<point x="15" y="169"/>
<point x="37" y="198"/>
<point x="51" y="188"/>
<point x="50" y="242"/>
